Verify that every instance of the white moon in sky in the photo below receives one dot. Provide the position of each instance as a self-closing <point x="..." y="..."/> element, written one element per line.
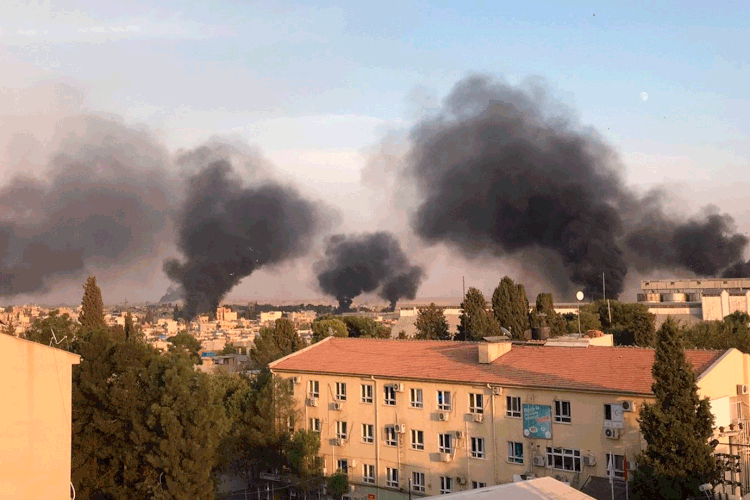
<point x="644" y="96"/>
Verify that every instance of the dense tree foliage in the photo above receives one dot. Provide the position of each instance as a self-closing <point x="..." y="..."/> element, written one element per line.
<point x="361" y="326"/>
<point x="676" y="428"/>
<point x="511" y="307"/>
<point x="145" y="425"/>
<point x="431" y="324"/>
<point x="630" y="324"/>
<point x="63" y="326"/>
<point x="328" y="327"/>
<point x="338" y="484"/>
<point x="732" y="331"/>
<point x="92" y="306"/>
<point x="544" y="313"/>
<point x="589" y="321"/>
<point x="188" y="344"/>
<point x="274" y="342"/>
<point x="476" y="322"/>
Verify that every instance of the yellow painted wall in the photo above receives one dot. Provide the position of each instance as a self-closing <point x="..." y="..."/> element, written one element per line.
<point x="35" y="421"/>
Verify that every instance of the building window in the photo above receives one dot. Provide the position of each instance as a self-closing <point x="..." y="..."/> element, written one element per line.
<point x="738" y="409"/>
<point x="290" y="423"/>
<point x="416" y="398"/>
<point x="391" y="477"/>
<point x="446" y="485"/>
<point x="417" y="440"/>
<point x="513" y="406"/>
<point x="368" y="433"/>
<point x="389" y="395"/>
<point x="515" y="452"/>
<point x="341" y="391"/>
<point x="315" y="424"/>
<point x="418" y="481"/>
<point x="618" y="466"/>
<point x="313" y="389"/>
<point x="564" y="459"/>
<point x="343" y="466"/>
<point x="341" y="430"/>
<point x="612" y="414"/>
<point x="446" y="443"/>
<point x="477" y="447"/>
<point x="444" y="400"/>
<point x="562" y="412"/>
<point x="478" y="484"/>
<point x="476" y="403"/>
<point x="368" y="473"/>
<point x="391" y="436"/>
<point x="366" y="393"/>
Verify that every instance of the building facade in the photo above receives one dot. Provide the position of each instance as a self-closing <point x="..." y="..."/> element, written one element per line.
<point x="691" y="300"/>
<point x="35" y="422"/>
<point x="440" y="417"/>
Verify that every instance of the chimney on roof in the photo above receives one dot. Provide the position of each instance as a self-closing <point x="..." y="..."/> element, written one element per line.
<point x="490" y="351"/>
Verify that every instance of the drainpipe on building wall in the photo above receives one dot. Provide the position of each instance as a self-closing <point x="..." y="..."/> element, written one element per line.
<point x="468" y="451"/>
<point x="376" y="436"/>
<point x="495" y="459"/>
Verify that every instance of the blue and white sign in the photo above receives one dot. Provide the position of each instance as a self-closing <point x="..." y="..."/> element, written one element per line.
<point x="537" y="421"/>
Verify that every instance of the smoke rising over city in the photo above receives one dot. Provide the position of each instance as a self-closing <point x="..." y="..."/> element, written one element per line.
<point x="357" y="264"/>
<point x="227" y="231"/>
<point x="102" y="201"/>
<point x="501" y="171"/>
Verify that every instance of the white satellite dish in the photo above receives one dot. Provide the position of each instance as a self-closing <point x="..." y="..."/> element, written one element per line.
<point x="579" y="295"/>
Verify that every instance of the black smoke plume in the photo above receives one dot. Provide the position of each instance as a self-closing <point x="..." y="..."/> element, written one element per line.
<point x="102" y="203"/>
<point x="357" y="264"/>
<point x="501" y="172"/>
<point x="227" y="231"/>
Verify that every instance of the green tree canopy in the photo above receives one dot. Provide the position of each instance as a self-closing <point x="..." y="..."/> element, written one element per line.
<point x="275" y="342"/>
<point x="185" y="342"/>
<point x="338" y="484"/>
<point x="476" y="322"/>
<point x="328" y="327"/>
<point x="62" y="325"/>
<point x="92" y="306"/>
<point x="361" y="326"/>
<point x="431" y="324"/>
<point x="629" y="321"/>
<point x="732" y="331"/>
<point x="544" y="312"/>
<point x="589" y="321"/>
<point x="511" y="307"/>
<point x="676" y="428"/>
<point x="145" y="425"/>
<point x="302" y="452"/>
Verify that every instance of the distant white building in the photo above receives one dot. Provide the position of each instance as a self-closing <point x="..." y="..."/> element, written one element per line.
<point x="270" y="316"/>
<point x="695" y="300"/>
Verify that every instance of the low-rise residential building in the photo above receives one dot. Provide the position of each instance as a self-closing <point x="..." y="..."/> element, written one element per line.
<point x="35" y="423"/>
<point x="440" y="417"/>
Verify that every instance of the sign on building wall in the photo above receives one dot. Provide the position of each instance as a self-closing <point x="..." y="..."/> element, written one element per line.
<point x="537" y="421"/>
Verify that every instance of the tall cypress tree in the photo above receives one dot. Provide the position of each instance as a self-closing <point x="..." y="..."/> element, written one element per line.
<point x="476" y="322"/>
<point x="92" y="306"/>
<point x="511" y="307"/>
<point x="677" y="427"/>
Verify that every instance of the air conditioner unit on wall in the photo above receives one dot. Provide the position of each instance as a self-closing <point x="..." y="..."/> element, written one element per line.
<point x="446" y="457"/>
<point x="312" y="401"/>
<point x="460" y="480"/>
<point x="562" y="478"/>
<point x="497" y="391"/>
<point x="296" y="380"/>
<point x="337" y="406"/>
<point x="627" y="405"/>
<point x="538" y="461"/>
<point x="589" y="460"/>
<point x="741" y="389"/>
<point x="443" y="416"/>
<point x="398" y="387"/>
<point x="478" y="418"/>
<point x="459" y="434"/>
<point x="400" y="428"/>
<point x="337" y="442"/>
<point x="611" y="433"/>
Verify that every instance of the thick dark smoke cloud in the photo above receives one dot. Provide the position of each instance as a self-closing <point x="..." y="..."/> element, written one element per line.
<point x="357" y="264"/>
<point x="227" y="231"/>
<point x="102" y="202"/>
<point x="500" y="171"/>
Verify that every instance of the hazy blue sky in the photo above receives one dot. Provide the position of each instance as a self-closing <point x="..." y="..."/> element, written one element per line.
<point x="317" y="85"/>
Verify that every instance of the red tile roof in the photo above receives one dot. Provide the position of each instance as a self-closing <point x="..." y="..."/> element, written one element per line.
<point x="593" y="368"/>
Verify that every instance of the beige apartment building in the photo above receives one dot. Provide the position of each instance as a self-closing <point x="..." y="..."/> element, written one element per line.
<point x="35" y="421"/>
<point x="441" y="417"/>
